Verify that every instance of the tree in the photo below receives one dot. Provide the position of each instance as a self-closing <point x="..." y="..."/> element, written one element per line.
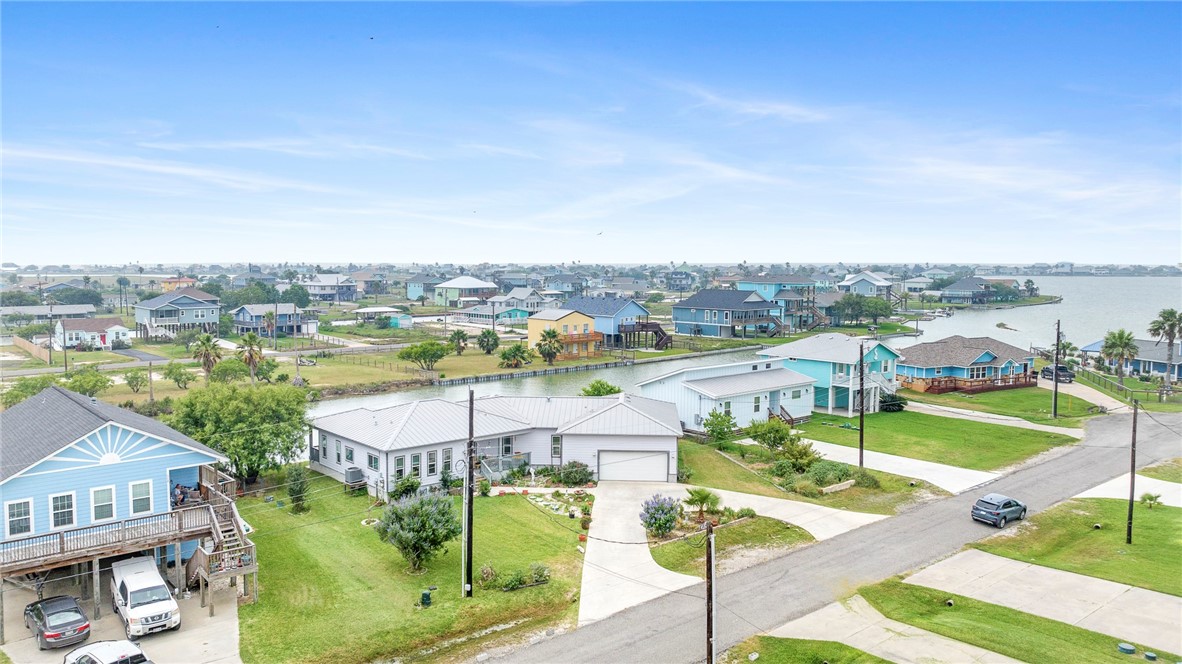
<point x="488" y="341"/>
<point x="1167" y="327"/>
<point x="225" y="325"/>
<point x="659" y="515"/>
<point x="250" y="351"/>
<point x="422" y="300"/>
<point x="207" y="351"/>
<point x="515" y="356"/>
<point x="703" y="499"/>
<point x="185" y="338"/>
<point x="270" y="323"/>
<point x="123" y="283"/>
<point x="549" y="345"/>
<point x="89" y="381"/>
<point x="297" y="488"/>
<point x="719" y="425"/>
<point x="458" y="340"/>
<point x="178" y="374"/>
<point x="266" y="369"/>
<point x="851" y="305"/>
<point x="419" y="527"/>
<point x="297" y="295"/>
<point x="425" y="354"/>
<point x="136" y="379"/>
<point x="230" y="370"/>
<point x="876" y="308"/>
<point x="772" y="434"/>
<point x="18" y="299"/>
<point x="1031" y="290"/>
<point x="256" y="428"/>
<point x="600" y="388"/>
<point x="79" y="296"/>
<point x="1120" y="347"/>
<point x="26" y="387"/>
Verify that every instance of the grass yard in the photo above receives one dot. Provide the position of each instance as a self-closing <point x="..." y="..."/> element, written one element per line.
<point x="332" y="592"/>
<point x="800" y="651"/>
<point x="1148" y="400"/>
<point x="1062" y="537"/>
<point x="1016" y="634"/>
<point x="956" y="442"/>
<point x="688" y="556"/>
<point x="75" y="358"/>
<point x="165" y="349"/>
<point x="1170" y="471"/>
<point x="1032" y="404"/>
<point x="710" y="469"/>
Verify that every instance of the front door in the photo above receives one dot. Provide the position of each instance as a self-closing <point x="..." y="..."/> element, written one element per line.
<point x="773" y="402"/>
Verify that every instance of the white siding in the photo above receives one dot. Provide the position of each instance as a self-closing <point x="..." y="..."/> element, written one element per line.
<point x="693" y="405"/>
<point x="380" y="480"/>
<point x="586" y="448"/>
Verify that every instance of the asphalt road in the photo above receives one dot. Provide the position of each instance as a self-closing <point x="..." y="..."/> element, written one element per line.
<point x="671" y="628"/>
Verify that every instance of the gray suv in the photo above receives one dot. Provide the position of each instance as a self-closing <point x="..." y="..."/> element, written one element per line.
<point x="996" y="509"/>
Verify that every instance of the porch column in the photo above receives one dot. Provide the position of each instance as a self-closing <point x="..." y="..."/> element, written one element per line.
<point x="850" y="401"/>
<point x="1" y="615"/>
<point x="176" y="552"/>
<point x="831" y="399"/>
<point x="98" y="591"/>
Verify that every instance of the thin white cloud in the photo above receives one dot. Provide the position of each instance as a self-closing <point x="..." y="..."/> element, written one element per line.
<point x="498" y="150"/>
<point x="757" y="108"/>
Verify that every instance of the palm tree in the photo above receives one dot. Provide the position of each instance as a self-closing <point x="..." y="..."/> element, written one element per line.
<point x="270" y="324"/>
<point x="123" y="283"/>
<point x="250" y="351"/>
<point x="488" y="341"/>
<point x="549" y="345"/>
<point x="515" y="356"/>
<point x="458" y="340"/>
<point x="207" y="351"/>
<point x="1121" y="347"/>
<point x="1167" y="327"/>
<point x="703" y="499"/>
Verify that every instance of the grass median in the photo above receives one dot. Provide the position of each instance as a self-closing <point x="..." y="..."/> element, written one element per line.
<point x="801" y="651"/>
<point x="1032" y="404"/>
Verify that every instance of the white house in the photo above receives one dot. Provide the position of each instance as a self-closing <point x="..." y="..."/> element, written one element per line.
<point x="620" y="437"/>
<point x="98" y="333"/>
<point x="749" y="391"/>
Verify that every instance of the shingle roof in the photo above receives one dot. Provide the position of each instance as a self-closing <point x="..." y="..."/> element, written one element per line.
<point x="969" y="284"/>
<point x="825" y="347"/>
<point x="56" y="417"/>
<point x="828" y="298"/>
<point x="91" y="324"/>
<point x="958" y="351"/>
<point x="424" y="279"/>
<point x="598" y="306"/>
<point x="720" y="298"/>
<point x="1147" y="349"/>
<point x="176" y="294"/>
<point x="747" y="382"/>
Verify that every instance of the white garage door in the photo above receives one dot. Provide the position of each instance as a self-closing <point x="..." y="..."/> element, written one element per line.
<point x="650" y="466"/>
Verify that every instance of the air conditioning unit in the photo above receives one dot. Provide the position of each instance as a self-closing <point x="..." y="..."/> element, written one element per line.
<point x="353" y="475"/>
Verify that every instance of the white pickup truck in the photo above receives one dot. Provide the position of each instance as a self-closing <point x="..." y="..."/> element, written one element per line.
<point x="141" y="599"/>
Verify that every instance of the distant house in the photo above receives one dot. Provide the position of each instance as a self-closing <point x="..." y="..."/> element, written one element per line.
<point x="184" y="309"/>
<point x="833" y="361"/>
<point x="823" y="283"/>
<point x="72" y="283"/>
<point x="484" y="314"/>
<point x="752" y="391"/>
<point x="44" y="313"/>
<point x="795" y="295"/>
<point x="868" y="284"/>
<point x="97" y="333"/>
<point x="331" y="287"/>
<point x="680" y="279"/>
<point x="917" y="284"/>
<point x="826" y="304"/>
<point x="523" y="298"/>
<point x="975" y="364"/>
<point x="627" y="286"/>
<point x="570" y="285"/>
<point x="1150" y="359"/>
<point x="464" y="291"/>
<point x="936" y="273"/>
<point x="713" y="312"/>
<point x="613" y="316"/>
<point x="397" y="319"/>
<point x="969" y="290"/>
<point x="370" y="282"/>
<point x="176" y="283"/>
<point x="422" y="285"/>
<point x="253" y="273"/>
<point x="577" y="331"/>
<point x="289" y="319"/>
<point x="510" y="281"/>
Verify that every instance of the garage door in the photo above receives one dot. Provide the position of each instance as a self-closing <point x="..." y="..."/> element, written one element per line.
<point x="651" y="466"/>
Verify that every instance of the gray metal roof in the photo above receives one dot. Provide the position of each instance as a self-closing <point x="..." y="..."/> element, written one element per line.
<point x="177" y="294"/>
<point x="825" y="347"/>
<point x="283" y="308"/>
<point x="466" y="282"/>
<point x="747" y="382"/>
<point x="719" y="298"/>
<point x="43" y="309"/>
<point x="969" y="284"/>
<point x="426" y="422"/>
<point x="581" y="414"/>
<point x="958" y="351"/>
<point x="599" y="306"/>
<point x="801" y="279"/>
<point x="56" y="417"/>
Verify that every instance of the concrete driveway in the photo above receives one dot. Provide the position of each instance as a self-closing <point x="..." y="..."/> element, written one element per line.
<point x="140" y="355"/>
<point x="200" y="640"/>
<point x="1118" y="487"/>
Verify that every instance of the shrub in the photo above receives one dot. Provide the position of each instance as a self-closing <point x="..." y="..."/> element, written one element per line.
<point x="485" y="488"/>
<point x="800" y="454"/>
<point x="407" y="486"/>
<point x="297" y="489"/>
<point x="136" y="379"/>
<point x="585" y="523"/>
<point x="684" y="474"/>
<point x="719" y="425"/>
<point x="574" y="473"/>
<point x="703" y="499"/>
<point x="659" y="515"/>
<point x="892" y="403"/>
<point x="282" y="378"/>
<point x="807" y="489"/>
<point x="746" y="513"/>
<point x="119" y="344"/>
<point x="178" y="374"/>
<point x="772" y="434"/>
<point x="514" y="581"/>
<point x="866" y="479"/>
<point x="488" y="575"/>
<point x="419" y="527"/>
<point x="783" y="468"/>
<point x="825" y="473"/>
<point x="539" y="573"/>
<point x="1150" y="499"/>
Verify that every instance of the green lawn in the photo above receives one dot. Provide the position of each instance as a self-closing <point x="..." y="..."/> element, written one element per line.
<point x="1169" y="470"/>
<point x="332" y="592"/>
<point x="166" y="349"/>
<point x="1032" y="404"/>
<point x="1016" y="634"/>
<point x="710" y="469"/>
<point x="800" y="651"/>
<point x="688" y="556"/>
<point x="1148" y="401"/>
<point x="956" y="442"/>
<point x="1062" y="537"/>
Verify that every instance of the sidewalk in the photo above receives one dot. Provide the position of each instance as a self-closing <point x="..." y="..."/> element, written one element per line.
<point x="1121" y="611"/>
<point x="1089" y="393"/>
<point x="857" y="624"/>
<point x="1118" y="487"/>
<point x="990" y="418"/>
<point x="952" y="479"/>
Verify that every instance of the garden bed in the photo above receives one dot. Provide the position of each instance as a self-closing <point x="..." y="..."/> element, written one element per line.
<point x="739" y="543"/>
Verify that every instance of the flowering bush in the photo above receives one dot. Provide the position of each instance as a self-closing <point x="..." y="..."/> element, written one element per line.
<point x="659" y="515"/>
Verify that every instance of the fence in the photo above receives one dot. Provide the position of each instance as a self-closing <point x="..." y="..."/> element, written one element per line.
<point x="31" y="348"/>
<point x="1164" y="394"/>
<point x="491" y="378"/>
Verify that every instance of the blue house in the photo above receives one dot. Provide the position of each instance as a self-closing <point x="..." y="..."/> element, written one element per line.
<point x="1151" y="359"/>
<point x="83" y="480"/>
<point x="422" y="285"/>
<point x="570" y="285"/>
<point x="618" y="319"/>
<point x="976" y="364"/>
<point x="289" y="319"/>
<point x="970" y="290"/>
<point x="796" y="296"/>
<point x="833" y="360"/>
<point x="184" y="309"/>
<point x="713" y="312"/>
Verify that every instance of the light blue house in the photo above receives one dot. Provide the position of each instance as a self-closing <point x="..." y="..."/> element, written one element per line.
<point x="713" y="312"/>
<point x="184" y="309"/>
<point x="752" y="391"/>
<point x="610" y="315"/>
<point x="484" y="314"/>
<point x="1151" y="359"/>
<point x="422" y="285"/>
<point x="833" y="361"/>
<point x="83" y="480"/>
<point x="289" y="319"/>
<point x="795" y="295"/>
<point x="957" y="363"/>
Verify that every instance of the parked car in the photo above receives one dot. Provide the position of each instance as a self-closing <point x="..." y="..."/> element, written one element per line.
<point x="141" y="599"/>
<point x="107" y="652"/>
<point x="996" y="509"/>
<point x="1058" y="372"/>
<point x="57" y="622"/>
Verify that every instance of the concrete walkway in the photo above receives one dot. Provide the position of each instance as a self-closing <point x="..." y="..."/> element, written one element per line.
<point x="1171" y="492"/>
<point x="1088" y="393"/>
<point x="990" y="418"/>
<point x="1121" y="611"/>
<point x="952" y="479"/>
<point x="857" y="624"/>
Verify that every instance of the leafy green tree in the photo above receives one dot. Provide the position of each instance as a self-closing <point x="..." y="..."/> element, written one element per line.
<point x="488" y="341"/>
<point x="772" y="434"/>
<point x="297" y="488"/>
<point x="419" y="527"/>
<point x="256" y="428"/>
<point x="88" y="380"/>
<point x="136" y="379"/>
<point x="18" y="299"/>
<point x="876" y="308"/>
<point x="799" y="454"/>
<point x="27" y="386"/>
<point x="266" y="369"/>
<point x="600" y="388"/>
<point x="515" y="356"/>
<point x="79" y="296"/>
<point x="852" y="306"/>
<point x="185" y="338"/>
<point x="703" y="499"/>
<point x="549" y="345"/>
<point x="207" y="351"/>
<point x="425" y="354"/>
<point x="1119" y="347"/>
<point x="1167" y="327"/>
<point x="177" y="373"/>
<point x="29" y="331"/>
<point x="225" y="325"/>
<point x="297" y="295"/>
<point x="458" y="340"/>
<point x="1031" y="290"/>
<point x="250" y="351"/>
<point x="230" y="370"/>
<point x="719" y="425"/>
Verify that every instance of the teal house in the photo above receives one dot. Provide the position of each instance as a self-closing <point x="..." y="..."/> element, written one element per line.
<point x="796" y="296"/>
<point x="835" y="361"/>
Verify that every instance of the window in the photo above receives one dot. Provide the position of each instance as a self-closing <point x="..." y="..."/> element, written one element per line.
<point x="141" y="497"/>
<point x="715" y="316"/>
<point x="556" y="446"/>
<point x="432" y="462"/>
<point x="61" y="510"/>
<point x="19" y="517"/>
<point x="507" y="446"/>
<point x="348" y="454"/>
<point x="447" y="459"/>
<point x="566" y="329"/>
<point x="323" y="450"/>
<point x="371" y="460"/>
<point x="768" y="365"/>
<point x="756" y="409"/>
<point x="939" y="371"/>
<point x="198" y="313"/>
<point x="338" y="452"/>
<point x="399" y="467"/>
<point x="726" y="315"/>
<point x="102" y="504"/>
<point x="726" y="407"/>
<point x="886" y="366"/>
<point x="416" y="465"/>
<point x="795" y="394"/>
<point x="976" y="373"/>
<point x="585" y="330"/>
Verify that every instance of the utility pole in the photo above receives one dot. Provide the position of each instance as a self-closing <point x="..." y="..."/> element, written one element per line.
<point x="861" y="403"/>
<point x="151" y="389"/>
<point x="709" y="592"/>
<point x="1132" y="473"/>
<point x="469" y="485"/>
<point x="1055" y="374"/>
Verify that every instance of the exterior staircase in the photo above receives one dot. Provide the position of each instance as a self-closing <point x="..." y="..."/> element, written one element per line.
<point x="661" y="338"/>
<point x="230" y="551"/>
<point x="819" y="318"/>
<point x="160" y="333"/>
<point x="784" y="416"/>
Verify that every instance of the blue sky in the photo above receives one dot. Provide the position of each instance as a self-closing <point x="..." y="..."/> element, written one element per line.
<point x="970" y="132"/>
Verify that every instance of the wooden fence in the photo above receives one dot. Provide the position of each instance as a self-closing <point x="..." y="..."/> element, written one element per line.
<point x="31" y="348"/>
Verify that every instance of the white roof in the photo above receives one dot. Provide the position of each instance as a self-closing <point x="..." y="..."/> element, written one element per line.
<point x="466" y="282"/>
<point x="553" y="314"/>
<point x="867" y="276"/>
<point x="377" y="310"/>
<point x="331" y="279"/>
<point x="825" y="347"/>
<point x="415" y="424"/>
<point x="617" y="414"/>
<point x="748" y="382"/>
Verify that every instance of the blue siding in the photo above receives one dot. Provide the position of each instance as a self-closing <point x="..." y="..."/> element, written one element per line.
<point x="413" y="291"/>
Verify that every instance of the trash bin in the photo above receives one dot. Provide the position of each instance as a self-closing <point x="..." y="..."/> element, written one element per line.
<point x="426" y="600"/>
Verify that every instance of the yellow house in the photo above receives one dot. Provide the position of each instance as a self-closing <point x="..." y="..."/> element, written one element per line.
<point x="579" y="338"/>
<point x="177" y="283"/>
